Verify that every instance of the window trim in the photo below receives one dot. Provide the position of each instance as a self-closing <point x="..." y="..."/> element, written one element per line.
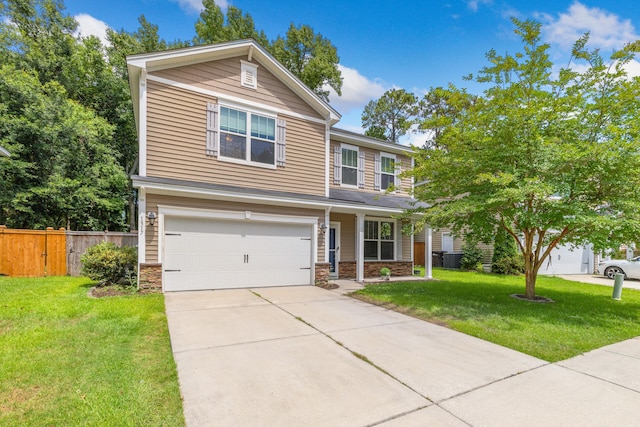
<point x="247" y="160"/>
<point x="357" y="150"/>
<point x="395" y="169"/>
<point x="379" y="240"/>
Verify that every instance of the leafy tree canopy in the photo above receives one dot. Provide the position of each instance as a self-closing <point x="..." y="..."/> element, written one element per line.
<point x="62" y="172"/>
<point x="309" y="56"/>
<point x="390" y="116"/>
<point x="551" y="156"/>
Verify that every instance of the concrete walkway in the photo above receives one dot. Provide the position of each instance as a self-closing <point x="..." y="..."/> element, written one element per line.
<point x="304" y="356"/>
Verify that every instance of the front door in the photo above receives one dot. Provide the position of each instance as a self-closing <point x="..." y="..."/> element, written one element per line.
<point x="334" y="249"/>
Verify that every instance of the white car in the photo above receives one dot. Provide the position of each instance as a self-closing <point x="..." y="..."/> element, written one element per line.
<point x="630" y="269"/>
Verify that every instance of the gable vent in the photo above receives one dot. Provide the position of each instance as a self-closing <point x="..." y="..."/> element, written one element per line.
<point x="249" y="75"/>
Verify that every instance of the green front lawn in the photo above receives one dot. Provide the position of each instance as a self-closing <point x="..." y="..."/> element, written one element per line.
<point x="67" y="359"/>
<point x="582" y="318"/>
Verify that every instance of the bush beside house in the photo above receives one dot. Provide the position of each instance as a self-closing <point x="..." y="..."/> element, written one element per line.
<point x="110" y="264"/>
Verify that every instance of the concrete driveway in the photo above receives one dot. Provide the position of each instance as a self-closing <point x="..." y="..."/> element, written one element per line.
<point x="304" y="356"/>
<point x="597" y="279"/>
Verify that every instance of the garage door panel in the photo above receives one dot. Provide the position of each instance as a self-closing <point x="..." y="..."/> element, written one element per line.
<point x="215" y="254"/>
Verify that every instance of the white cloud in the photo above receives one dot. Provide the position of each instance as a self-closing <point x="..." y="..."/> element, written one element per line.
<point x="414" y="137"/>
<point x="357" y="90"/>
<point x="90" y="26"/>
<point x="633" y="69"/>
<point x="607" y="30"/>
<point x="475" y="4"/>
<point x="196" y="5"/>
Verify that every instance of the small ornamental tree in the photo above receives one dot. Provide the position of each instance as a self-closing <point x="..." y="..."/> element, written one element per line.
<point x="549" y="155"/>
<point x="472" y="256"/>
<point x="506" y="259"/>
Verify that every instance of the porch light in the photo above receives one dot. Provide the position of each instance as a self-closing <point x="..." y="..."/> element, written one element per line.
<point x="323" y="228"/>
<point x="152" y="218"/>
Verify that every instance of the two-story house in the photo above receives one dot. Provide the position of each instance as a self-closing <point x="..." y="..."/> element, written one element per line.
<point x="245" y="182"/>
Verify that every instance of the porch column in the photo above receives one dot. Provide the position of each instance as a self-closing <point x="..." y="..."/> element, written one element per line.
<point x="359" y="247"/>
<point x="428" y="248"/>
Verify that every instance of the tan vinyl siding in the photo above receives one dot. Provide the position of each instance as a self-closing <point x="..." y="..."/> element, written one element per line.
<point x="406" y="247"/>
<point x="347" y="235"/>
<point x="223" y="77"/>
<point x="176" y="147"/>
<point x="153" y="200"/>
<point x="369" y="170"/>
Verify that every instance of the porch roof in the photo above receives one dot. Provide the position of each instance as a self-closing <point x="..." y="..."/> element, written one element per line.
<point x="368" y="199"/>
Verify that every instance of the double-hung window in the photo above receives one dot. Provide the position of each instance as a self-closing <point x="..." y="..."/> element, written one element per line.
<point x="349" y="166"/>
<point x="379" y="240"/>
<point x="247" y="136"/>
<point x="387" y="172"/>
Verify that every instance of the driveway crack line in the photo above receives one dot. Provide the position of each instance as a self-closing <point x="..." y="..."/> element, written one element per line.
<point x="599" y="378"/>
<point x="244" y="343"/>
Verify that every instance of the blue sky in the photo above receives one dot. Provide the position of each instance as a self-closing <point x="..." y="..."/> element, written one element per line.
<point x="413" y="45"/>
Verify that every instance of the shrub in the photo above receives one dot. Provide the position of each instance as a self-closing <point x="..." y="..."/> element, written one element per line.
<point x="109" y="264"/>
<point x="513" y="265"/>
<point x="471" y="257"/>
<point x="506" y="257"/>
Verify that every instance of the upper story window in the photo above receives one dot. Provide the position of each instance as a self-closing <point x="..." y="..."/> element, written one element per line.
<point x="247" y="136"/>
<point x="386" y="172"/>
<point x="350" y="166"/>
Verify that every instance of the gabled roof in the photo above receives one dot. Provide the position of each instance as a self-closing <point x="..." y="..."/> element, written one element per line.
<point x="156" y="61"/>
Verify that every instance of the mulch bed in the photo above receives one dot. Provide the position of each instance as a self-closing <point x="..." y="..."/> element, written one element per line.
<point x="328" y="286"/>
<point x="523" y="297"/>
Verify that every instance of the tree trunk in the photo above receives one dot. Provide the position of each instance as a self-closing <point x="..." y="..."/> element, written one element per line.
<point x="530" y="279"/>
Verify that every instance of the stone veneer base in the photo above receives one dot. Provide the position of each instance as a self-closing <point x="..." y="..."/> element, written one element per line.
<point x="347" y="269"/>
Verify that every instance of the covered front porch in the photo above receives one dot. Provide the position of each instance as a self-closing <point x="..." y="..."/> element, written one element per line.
<point x="360" y="242"/>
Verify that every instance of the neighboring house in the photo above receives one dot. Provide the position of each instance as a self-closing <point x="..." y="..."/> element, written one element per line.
<point x="4" y="153"/>
<point x="445" y="241"/>
<point x="244" y="181"/>
<point x="562" y="260"/>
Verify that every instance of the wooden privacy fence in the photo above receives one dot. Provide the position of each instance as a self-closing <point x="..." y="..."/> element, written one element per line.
<point x="39" y="253"/>
<point x="32" y="253"/>
<point x="79" y="241"/>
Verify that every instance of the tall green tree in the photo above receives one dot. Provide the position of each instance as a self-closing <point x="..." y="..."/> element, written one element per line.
<point x="390" y="116"/>
<point x="213" y="26"/>
<point x="309" y="56"/>
<point x="439" y="109"/>
<point x="38" y="35"/>
<point x="62" y="171"/>
<point x="552" y="157"/>
<point x="59" y="154"/>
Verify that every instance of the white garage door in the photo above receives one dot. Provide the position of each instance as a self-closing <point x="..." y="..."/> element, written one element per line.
<point x="567" y="260"/>
<point x="219" y="254"/>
